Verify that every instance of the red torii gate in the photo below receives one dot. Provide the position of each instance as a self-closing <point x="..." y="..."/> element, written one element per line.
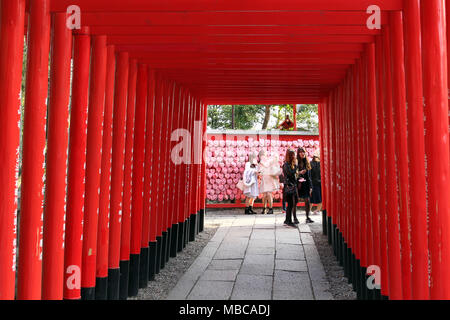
<point x="142" y="69"/>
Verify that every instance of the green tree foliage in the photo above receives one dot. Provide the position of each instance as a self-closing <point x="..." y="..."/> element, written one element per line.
<point x="245" y="117"/>
<point x="308" y="117"/>
<point x="256" y="117"/>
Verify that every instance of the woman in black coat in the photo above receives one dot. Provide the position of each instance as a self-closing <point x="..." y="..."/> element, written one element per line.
<point x="304" y="181"/>
<point x="290" y="195"/>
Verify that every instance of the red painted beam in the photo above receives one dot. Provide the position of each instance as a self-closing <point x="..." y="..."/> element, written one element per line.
<point x="234" y="30"/>
<point x="244" y="47"/>
<point x="204" y="5"/>
<point x="238" y="39"/>
<point x="286" y="18"/>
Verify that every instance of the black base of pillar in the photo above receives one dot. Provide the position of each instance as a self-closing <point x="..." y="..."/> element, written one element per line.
<point x="88" y="293"/>
<point x="364" y="289"/>
<point x="181" y="236"/>
<point x="143" y="267"/>
<point x="354" y="272"/>
<point x="345" y="259"/>
<point x="153" y="251"/>
<point x="187" y="226"/>
<point x="335" y="240"/>
<point x="350" y="265"/>
<point x="201" y="225"/>
<point x="330" y="230"/>
<point x="163" y="249"/>
<point x="101" y="288"/>
<point x="339" y="247"/>
<point x="192" y="227"/>
<point x="133" y="285"/>
<point x="158" y="254"/>
<point x="358" y="280"/>
<point x="377" y="294"/>
<point x="324" y="222"/>
<point x="169" y="240"/>
<point x="197" y="222"/>
<point x="174" y="241"/>
<point x="113" y="284"/>
<point x="124" y="279"/>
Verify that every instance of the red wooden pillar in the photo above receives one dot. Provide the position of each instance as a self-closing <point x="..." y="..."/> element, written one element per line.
<point x="447" y="15"/>
<point x="175" y="97"/>
<point x="394" y="263"/>
<point x="332" y="160"/>
<point x="373" y="151"/>
<point x="147" y="263"/>
<point x="11" y="41"/>
<point x="399" y="100"/>
<point x="203" y="175"/>
<point x="183" y="177"/>
<point x="382" y="205"/>
<point x="416" y="151"/>
<point x="33" y="163"/>
<point x="353" y="157"/>
<point x="195" y="165"/>
<point x="126" y="211"/>
<point x="436" y="143"/>
<point x="155" y="214"/>
<point x="322" y="132"/>
<point x="77" y="162"/>
<point x="192" y="172"/>
<point x="137" y="199"/>
<point x="367" y="231"/>
<point x="118" y="150"/>
<point x="165" y="165"/>
<point x="55" y="195"/>
<point x="174" y="200"/>
<point x="93" y="166"/>
<point x="357" y="170"/>
<point x="347" y="162"/>
<point x="101" y="282"/>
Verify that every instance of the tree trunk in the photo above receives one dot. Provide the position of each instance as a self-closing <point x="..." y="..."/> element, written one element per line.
<point x="232" y="118"/>
<point x="266" y="118"/>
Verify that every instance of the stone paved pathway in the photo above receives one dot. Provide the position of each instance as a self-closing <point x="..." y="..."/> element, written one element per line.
<point x="255" y="258"/>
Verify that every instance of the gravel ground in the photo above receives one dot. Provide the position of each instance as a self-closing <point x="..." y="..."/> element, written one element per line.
<point x="168" y="277"/>
<point x="339" y="286"/>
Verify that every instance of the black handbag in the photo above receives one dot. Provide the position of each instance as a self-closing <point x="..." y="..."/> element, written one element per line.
<point x="290" y="190"/>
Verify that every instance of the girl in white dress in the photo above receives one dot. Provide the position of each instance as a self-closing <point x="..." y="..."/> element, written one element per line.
<point x="250" y="181"/>
<point x="270" y="172"/>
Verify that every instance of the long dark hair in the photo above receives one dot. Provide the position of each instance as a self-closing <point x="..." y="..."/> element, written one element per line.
<point x="290" y="157"/>
<point x="303" y="163"/>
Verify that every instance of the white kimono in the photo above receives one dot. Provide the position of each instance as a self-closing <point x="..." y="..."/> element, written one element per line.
<point x="250" y="180"/>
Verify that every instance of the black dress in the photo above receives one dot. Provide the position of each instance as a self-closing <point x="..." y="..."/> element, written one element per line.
<point x="316" y="197"/>
<point x="290" y="180"/>
<point x="304" y="187"/>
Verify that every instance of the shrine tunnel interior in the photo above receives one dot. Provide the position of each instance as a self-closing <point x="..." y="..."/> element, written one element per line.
<point x="262" y="52"/>
<point x="133" y="72"/>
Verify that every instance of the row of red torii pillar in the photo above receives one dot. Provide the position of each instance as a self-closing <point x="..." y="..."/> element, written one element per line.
<point x="129" y="207"/>
<point x="385" y="146"/>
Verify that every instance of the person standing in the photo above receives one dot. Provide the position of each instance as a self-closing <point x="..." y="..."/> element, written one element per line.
<point x="269" y="170"/>
<point x="250" y="181"/>
<point x="290" y="170"/>
<point x="304" y="182"/>
<point x="316" y="197"/>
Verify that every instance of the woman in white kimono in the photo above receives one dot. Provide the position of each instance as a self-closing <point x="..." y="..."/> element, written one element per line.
<point x="270" y="172"/>
<point x="250" y="180"/>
